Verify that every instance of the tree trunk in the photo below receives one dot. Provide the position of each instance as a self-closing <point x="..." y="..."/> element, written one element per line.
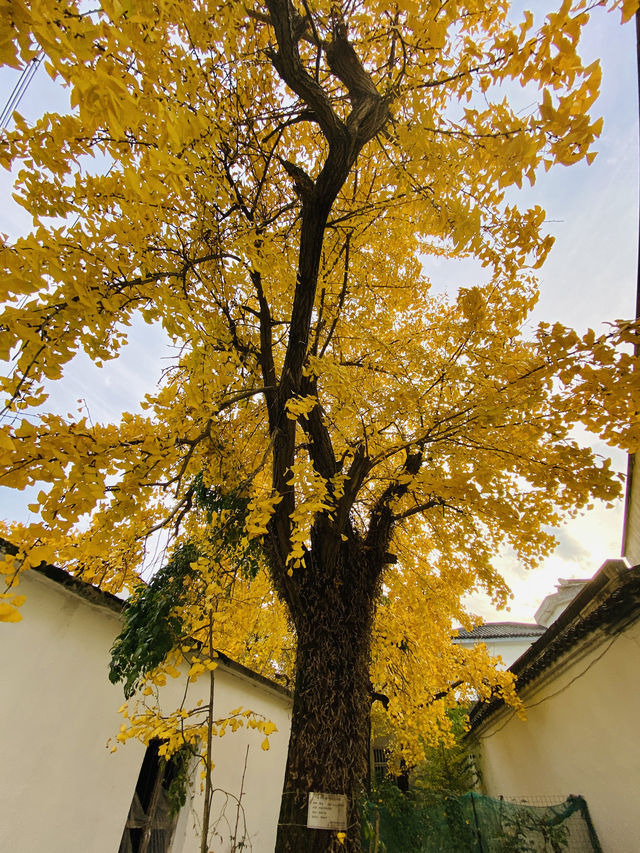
<point x="328" y="749"/>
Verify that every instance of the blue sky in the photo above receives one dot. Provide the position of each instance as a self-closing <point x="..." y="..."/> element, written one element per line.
<point x="589" y="279"/>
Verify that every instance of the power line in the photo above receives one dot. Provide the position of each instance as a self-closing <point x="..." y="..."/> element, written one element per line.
<point x="19" y="89"/>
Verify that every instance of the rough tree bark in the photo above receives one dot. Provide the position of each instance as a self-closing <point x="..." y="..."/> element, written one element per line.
<point x="332" y="700"/>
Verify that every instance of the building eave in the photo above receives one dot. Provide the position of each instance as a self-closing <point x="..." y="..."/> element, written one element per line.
<point x="608" y="602"/>
<point x="490" y="631"/>
<point x="100" y="598"/>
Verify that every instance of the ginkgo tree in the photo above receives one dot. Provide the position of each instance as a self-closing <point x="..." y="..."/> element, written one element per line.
<point x="271" y="182"/>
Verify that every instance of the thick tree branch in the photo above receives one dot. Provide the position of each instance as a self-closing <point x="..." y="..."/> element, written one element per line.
<point x="382" y="519"/>
<point x="423" y="507"/>
<point x="341" y="298"/>
<point x="344" y="63"/>
<point x="288" y="64"/>
<point x="358" y="470"/>
<point x="265" y="356"/>
<point x="320" y="447"/>
<point x="366" y="119"/>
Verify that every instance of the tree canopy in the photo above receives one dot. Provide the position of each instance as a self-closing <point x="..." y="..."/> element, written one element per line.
<point x="271" y="182"/>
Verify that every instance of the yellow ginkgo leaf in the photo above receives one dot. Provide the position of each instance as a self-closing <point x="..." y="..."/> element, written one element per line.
<point x="9" y="613"/>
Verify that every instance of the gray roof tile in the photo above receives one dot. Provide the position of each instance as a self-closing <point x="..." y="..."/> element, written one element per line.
<point x="495" y="630"/>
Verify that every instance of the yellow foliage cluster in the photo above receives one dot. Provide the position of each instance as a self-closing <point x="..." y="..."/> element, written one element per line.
<point x="222" y="612"/>
<point x="198" y="223"/>
<point x="186" y="727"/>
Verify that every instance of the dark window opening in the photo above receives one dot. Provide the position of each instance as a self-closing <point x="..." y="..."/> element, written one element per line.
<point x="381" y="770"/>
<point x="380" y="764"/>
<point x="150" y="823"/>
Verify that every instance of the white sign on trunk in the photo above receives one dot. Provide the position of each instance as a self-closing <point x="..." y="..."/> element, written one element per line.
<point x="327" y="811"/>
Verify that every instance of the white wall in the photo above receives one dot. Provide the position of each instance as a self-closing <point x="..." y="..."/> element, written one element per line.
<point x="61" y="790"/>
<point x="243" y="770"/>
<point x="508" y="648"/>
<point x="581" y="737"/>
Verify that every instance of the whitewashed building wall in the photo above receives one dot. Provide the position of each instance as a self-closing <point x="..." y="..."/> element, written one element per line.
<point x="61" y="789"/>
<point x="580" y="737"/>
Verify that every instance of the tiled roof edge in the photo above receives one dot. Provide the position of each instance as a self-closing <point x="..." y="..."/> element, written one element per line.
<point x="106" y="599"/>
<point x="500" y="630"/>
<point x="85" y="590"/>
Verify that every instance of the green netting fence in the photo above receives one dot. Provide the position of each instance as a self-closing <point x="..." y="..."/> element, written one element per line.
<point x="473" y="823"/>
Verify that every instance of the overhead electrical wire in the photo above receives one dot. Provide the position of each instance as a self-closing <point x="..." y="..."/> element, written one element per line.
<point x="19" y="89"/>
